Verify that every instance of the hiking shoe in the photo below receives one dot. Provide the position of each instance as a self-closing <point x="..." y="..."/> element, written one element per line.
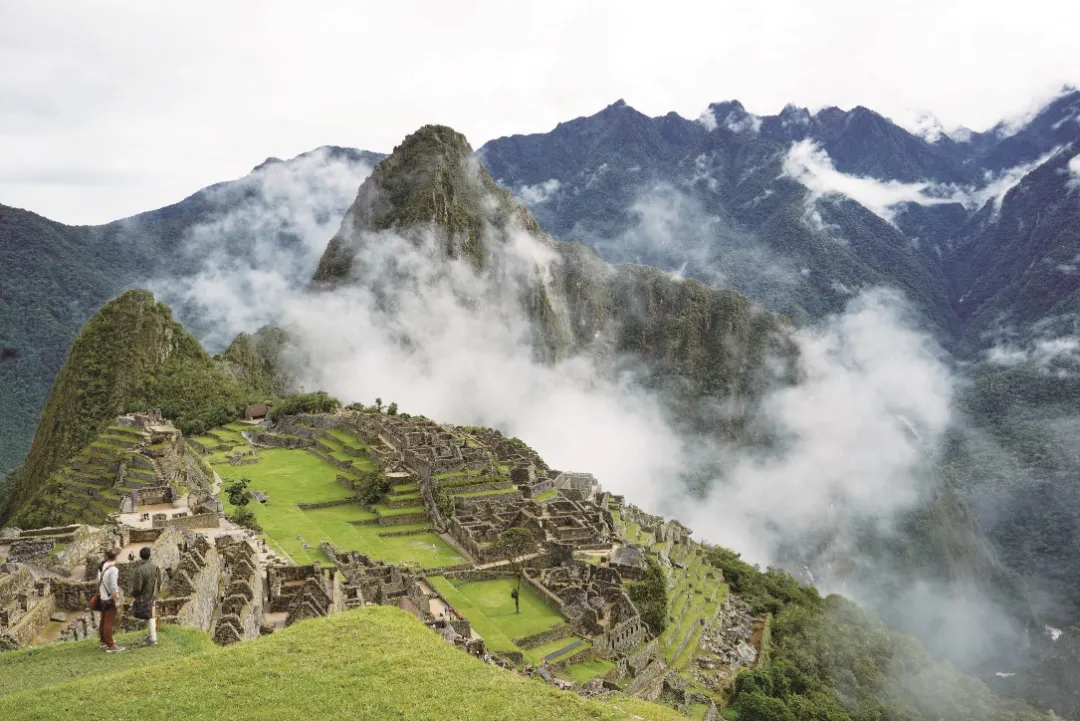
<point x="114" y="649"/>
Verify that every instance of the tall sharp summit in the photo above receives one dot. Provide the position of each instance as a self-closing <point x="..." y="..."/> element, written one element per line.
<point x="432" y="180"/>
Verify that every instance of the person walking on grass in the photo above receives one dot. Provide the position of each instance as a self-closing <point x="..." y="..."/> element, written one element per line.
<point x="144" y="589"/>
<point x="109" y="595"/>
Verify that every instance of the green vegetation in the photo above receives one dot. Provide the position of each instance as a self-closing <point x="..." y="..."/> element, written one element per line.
<point x="131" y="356"/>
<point x="827" y="659"/>
<point x="290" y="477"/>
<point x="490" y="609"/>
<point x="588" y="670"/>
<point x="24" y="671"/>
<point x="366" y="663"/>
<point x="650" y="596"/>
<point x="236" y="492"/>
<point x="317" y="402"/>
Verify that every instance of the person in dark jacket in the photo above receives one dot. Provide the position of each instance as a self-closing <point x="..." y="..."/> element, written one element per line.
<point x="144" y="589"/>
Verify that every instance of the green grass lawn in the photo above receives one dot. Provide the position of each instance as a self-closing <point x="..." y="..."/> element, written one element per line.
<point x="371" y="663"/>
<point x="477" y="494"/>
<point x="296" y="476"/>
<point x="24" y="671"/>
<point x="347" y="440"/>
<point x="490" y="610"/>
<point x="493" y="598"/>
<point x="588" y="670"/>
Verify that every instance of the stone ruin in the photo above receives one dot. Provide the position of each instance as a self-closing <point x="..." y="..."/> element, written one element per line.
<point x="241" y="613"/>
<point x="301" y="592"/>
<point x="581" y="524"/>
<point x="26" y="604"/>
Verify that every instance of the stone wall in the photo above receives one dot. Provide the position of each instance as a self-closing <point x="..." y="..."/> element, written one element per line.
<point x="81" y="628"/>
<point x="73" y="595"/>
<point x="201" y="520"/>
<point x="539" y="639"/>
<point x="87" y="540"/>
<point x="485" y="574"/>
<point x="621" y="639"/>
<point x="52" y="531"/>
<point x="413" y="532"/>
<point x="241" y="611"/>
<point x="499" y="499"/>
<point x="326" y="504"/>
<point x="144" y="535"/>
<point x="292" y="442"/>
<point x="25" y="550"/>
<point x="33" y="621"/>
<point x="403" y="519"/>
<point x="649" y="683"/>
<point x="196" y="580"/>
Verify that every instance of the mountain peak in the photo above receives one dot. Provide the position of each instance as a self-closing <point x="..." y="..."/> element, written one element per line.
<point x="432" y="180"/>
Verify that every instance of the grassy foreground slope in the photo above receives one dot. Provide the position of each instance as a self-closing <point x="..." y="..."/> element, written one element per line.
<point x="28" y="670"/>
<point x="371" y="663"/>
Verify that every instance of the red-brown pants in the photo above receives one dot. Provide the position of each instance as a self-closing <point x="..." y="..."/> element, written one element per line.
<point x="108" y="615"/>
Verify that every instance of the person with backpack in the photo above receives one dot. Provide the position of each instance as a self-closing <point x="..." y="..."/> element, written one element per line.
<point x="108" y="600"/>
<point x="144" y="588"/>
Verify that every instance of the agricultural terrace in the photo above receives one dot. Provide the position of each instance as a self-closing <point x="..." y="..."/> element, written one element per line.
<point x="291" y="477"/>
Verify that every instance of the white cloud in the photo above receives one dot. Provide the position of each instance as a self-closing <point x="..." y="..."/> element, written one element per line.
<point x="1074" y="171"/>
<point x="927" y="126"/>
<point x="538" y="193"/>
<point x="708" y="119"/>
<point x="1053" y="355"/>
<point x="998" y="186"/>
<point x="807" y="163"/>
<point x="255" y="257"/>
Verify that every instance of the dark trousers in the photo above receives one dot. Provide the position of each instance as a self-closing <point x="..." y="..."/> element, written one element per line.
<point x="108" y="615"/>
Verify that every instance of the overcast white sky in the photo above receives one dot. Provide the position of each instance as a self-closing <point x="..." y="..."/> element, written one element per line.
<point x="109" y="108"/>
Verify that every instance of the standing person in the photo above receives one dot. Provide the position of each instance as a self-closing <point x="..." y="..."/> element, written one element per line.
<point x="109" y="593"/>
<point x="144" y="589"/>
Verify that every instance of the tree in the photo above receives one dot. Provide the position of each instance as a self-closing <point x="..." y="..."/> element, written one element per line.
<point x="378" y="405"/>
<point x="512" y="544"/>
<point x="391" y="410"/>
<point x="237" y="493"/>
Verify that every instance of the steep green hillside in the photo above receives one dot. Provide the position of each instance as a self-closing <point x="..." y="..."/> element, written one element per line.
<point x="371" y="663"/>
<point x="828" y="659"/>
<point x="131" y="356"/>
<point x="55" y="277"/>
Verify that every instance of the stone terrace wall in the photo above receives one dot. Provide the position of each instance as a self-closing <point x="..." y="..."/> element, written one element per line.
<point x="73" y="595"/>
<point x="403" y="519"/>
<point x="240" y="615"/>
<point x="201" y="520"/>
<point x="325" y="504"/>
<point x="195" y="580"/>
<point x="539" y="639"/>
